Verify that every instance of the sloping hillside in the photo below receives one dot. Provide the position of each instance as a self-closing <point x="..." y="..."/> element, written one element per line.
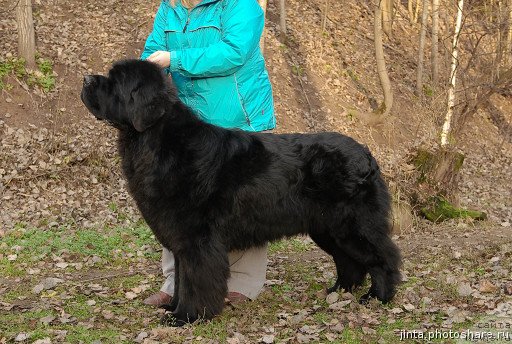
<point x="65" y="213"/>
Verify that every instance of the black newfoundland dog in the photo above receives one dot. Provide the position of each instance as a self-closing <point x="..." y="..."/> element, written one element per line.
<point x="206" y="190"/>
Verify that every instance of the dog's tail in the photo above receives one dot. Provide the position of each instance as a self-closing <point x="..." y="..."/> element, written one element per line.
<point x="367" y="176"/>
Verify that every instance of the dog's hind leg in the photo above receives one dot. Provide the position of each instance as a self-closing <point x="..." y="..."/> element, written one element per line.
<point x="203" y="274"/>
<point x="350" y="274"/>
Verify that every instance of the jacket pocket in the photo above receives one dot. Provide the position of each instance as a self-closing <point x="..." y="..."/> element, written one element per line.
<point x="173" y="37"/>
<point x="205" y="32"/>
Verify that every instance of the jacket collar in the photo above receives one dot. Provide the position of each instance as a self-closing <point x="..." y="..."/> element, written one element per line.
<point x="205" y="2"/>
<point x="202" y="3"/>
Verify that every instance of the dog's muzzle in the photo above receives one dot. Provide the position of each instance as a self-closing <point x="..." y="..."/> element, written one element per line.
<point x="88" y="80"/>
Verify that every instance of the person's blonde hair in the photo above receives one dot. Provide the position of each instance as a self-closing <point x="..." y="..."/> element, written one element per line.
<point x="184" y="3"/>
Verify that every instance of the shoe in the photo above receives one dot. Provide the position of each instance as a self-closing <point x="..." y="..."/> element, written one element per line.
<point x="158" y="299"/>
<point x="236" y="298"/>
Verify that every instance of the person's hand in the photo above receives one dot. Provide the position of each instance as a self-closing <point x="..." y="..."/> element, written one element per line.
<point x="161" y="58"/>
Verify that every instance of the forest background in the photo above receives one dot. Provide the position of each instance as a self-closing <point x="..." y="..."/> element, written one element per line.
<point x="425" y="84"/>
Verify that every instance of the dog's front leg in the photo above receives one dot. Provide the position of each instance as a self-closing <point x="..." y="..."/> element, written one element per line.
<point x="203" y="274"/>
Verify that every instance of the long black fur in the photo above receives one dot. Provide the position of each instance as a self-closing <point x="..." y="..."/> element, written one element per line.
<point x="206" y="190"/>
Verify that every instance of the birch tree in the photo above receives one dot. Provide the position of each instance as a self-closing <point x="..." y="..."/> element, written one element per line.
<point x="451" y="89"/>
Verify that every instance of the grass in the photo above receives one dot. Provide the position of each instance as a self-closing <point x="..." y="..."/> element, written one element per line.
<point x="84" y="242"/>
<point x="350" y="336"/>
<point x="43" y="77"/>
<point x="118" y="247"/>
<point x="296" y="244"/>
<point x="82" y="334"/>
<point x="213" y="329"/>
<point x="78" y="307"/>
<point x="78" y="243"/>
<point x="124" y="248"/>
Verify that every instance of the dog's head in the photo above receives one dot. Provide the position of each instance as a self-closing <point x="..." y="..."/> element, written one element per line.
<point x="135" y="94"/>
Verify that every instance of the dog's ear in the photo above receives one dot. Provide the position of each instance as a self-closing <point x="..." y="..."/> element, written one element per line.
<point x="145" y="115"/>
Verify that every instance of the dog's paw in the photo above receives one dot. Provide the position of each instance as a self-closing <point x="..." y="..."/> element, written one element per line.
<point x="178" y="319"/>
<point x="332" y="289"/>
<point x="169" y="307"/>
<point x="166" y="306"/>
<point x="168" y="319"/>
<point x="365" y="299"/>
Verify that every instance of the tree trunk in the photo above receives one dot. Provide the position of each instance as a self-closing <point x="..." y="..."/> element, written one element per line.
<point x="417" y="11"/>
<point x="502" y="84"/>
<point x="26" y="35"/>
<point x="282" y="19"/>
<point x="263" y="4"/>
<point x="411" y="11"/>
<point x="324" y="16"/>
<point x="386" y="105"/>
<point x="451" y="89"/>
<point x="387" y="17"/>
<point x="421" y="52"/>
<point x="509" y="36"/>
<point x="447" y="23"/>
<point x="435" y="40"/>
<point x="500" y="38"/>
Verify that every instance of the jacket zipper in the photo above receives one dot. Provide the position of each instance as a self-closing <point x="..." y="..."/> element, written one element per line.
<point x="188" y="21"/>
<point x="241" y="102"/>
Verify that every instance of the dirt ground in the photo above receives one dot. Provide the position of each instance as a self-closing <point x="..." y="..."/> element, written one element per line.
<point x="76" y="258"/>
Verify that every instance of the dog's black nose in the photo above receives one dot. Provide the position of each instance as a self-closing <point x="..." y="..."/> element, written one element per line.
<point x="88" y="79"/>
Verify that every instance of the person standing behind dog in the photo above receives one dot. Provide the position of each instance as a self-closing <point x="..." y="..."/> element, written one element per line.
<point x="211" y="50"/>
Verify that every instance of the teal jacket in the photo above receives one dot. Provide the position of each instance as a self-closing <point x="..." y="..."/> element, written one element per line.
<point x="216" y="62"/>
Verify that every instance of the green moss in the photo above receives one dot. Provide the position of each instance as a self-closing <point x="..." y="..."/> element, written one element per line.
<point x="427" y="162"/>
<point x="424" y="162"/>
<point x="459" y="161"/>
<point x="439" y="209"/>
